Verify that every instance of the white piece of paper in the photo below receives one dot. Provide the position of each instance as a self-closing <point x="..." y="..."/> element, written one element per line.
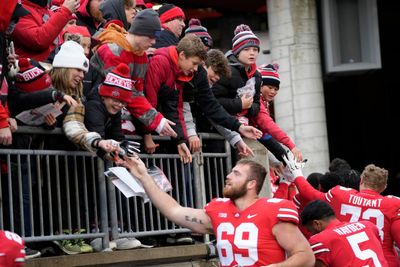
<point x="130" y="186"/>
<point x="36" y="116"/>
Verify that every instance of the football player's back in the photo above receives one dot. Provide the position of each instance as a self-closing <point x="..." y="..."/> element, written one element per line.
<point x="368" y="204"/>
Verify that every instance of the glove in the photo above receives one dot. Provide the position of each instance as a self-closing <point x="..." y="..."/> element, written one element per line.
<point x="293" y="165"/>
<point x="125" y="148"/>
<point x="128" y="148"/>
<point x="286" y="177"/>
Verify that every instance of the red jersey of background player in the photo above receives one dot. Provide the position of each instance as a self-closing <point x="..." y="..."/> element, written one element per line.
<point x="245" y="238"/>
<point x="344" y="244"/>
<point x="12" y="250"/>
<point x="351" y="206"/>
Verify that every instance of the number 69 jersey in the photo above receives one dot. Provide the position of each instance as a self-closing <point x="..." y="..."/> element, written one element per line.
<point x="245" y="238"/>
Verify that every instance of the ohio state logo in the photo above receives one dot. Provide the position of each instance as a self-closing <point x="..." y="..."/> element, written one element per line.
<point x="115" y="93"/>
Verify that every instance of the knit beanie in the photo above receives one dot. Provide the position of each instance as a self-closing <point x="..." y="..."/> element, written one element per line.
<point x="170" y="12"/>
<point x="146" y="23"/>
<point x="31" y="78"/>
<point x="118" y="84"/>
<point x="243" y="38"/>
<point x="196" y="28"/>
<point x="71" y="55"/>
<point x="269" y="75"/>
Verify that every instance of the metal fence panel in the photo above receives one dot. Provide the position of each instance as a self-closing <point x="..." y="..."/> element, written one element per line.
<point x="49" y="195"/>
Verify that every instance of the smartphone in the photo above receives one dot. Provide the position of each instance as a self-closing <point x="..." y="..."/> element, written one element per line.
<point x="11" y="51"/>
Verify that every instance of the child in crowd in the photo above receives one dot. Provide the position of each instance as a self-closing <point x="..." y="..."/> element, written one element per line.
<point x="88" y="124"/>
<point x="247" y="106"/>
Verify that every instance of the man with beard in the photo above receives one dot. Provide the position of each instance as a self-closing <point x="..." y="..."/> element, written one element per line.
<point x="250" y="231"/>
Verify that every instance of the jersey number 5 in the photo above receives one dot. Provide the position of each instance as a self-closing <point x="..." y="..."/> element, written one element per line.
<point x="13" y="236"/>
<point x="355" y="240"/>
<point x="225" y="249"/>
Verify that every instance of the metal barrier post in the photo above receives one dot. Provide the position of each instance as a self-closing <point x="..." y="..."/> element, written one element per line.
<point x="103" y="202"/>
<point x="113" y="223"/>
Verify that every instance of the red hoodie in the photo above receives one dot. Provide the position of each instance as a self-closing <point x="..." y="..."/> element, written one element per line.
<point x="164" y="71"/>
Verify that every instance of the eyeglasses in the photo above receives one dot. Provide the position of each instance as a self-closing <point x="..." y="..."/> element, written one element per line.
<point x="119" y="102"/>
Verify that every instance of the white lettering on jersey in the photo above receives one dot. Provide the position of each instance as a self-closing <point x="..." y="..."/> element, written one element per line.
<point x="351" y="228"/>
<point x="225" y="247"/>
<point x="365" y="202"/>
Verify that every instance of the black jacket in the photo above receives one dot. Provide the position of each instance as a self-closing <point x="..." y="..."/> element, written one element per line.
<point x="97" y="118"/>
<point x="200" y="93"/>
<point x="225" y="90"/>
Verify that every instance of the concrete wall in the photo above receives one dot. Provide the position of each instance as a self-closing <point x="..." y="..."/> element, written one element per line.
<point x="299" y="106"/>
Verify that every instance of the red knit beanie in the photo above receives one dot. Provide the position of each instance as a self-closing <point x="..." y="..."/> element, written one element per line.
<point x="118" y="84"/>
<point x="30" y="78"/>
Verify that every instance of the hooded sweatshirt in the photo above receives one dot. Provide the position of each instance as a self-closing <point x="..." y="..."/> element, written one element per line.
<point x="164" y="88"/>
<point x="114" y="9"/>
<point x="84" y="17"/>
<point x="115" y="49"/>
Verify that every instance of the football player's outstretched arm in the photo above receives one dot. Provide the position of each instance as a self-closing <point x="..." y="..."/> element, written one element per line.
<point x="295" y="244"/>
<point x="195" y="219"/>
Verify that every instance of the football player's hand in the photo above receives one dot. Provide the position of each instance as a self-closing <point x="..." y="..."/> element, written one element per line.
<point x="293" y="165"/>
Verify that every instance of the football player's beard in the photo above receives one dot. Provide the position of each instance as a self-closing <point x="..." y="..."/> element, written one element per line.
<point x="234" y="192"/>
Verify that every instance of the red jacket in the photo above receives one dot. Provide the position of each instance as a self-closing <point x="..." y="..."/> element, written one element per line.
<point x="164" y="81"/>
<point x="36" y="34"/>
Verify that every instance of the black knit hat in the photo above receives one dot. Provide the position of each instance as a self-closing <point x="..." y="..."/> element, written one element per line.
<point x="146" y="23"/>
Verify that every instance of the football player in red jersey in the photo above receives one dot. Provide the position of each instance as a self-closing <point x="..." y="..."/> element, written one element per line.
<point x="250" y="231"/>
<point x="12" y="252"/>
<point x="341" y="244"/>
<point x="367" y="204"/>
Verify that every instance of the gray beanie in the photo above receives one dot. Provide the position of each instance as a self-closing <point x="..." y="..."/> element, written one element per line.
<point x="146" y="23"/>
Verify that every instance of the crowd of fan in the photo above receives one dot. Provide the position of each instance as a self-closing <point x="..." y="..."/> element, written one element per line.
<point x="95" y="64"/>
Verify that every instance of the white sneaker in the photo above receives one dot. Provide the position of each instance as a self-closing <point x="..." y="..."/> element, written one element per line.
<point x="112" y="245"/>
<point x="125" y="243"/>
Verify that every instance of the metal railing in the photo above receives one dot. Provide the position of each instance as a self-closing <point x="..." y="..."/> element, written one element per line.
<point x="48" y="195"/>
